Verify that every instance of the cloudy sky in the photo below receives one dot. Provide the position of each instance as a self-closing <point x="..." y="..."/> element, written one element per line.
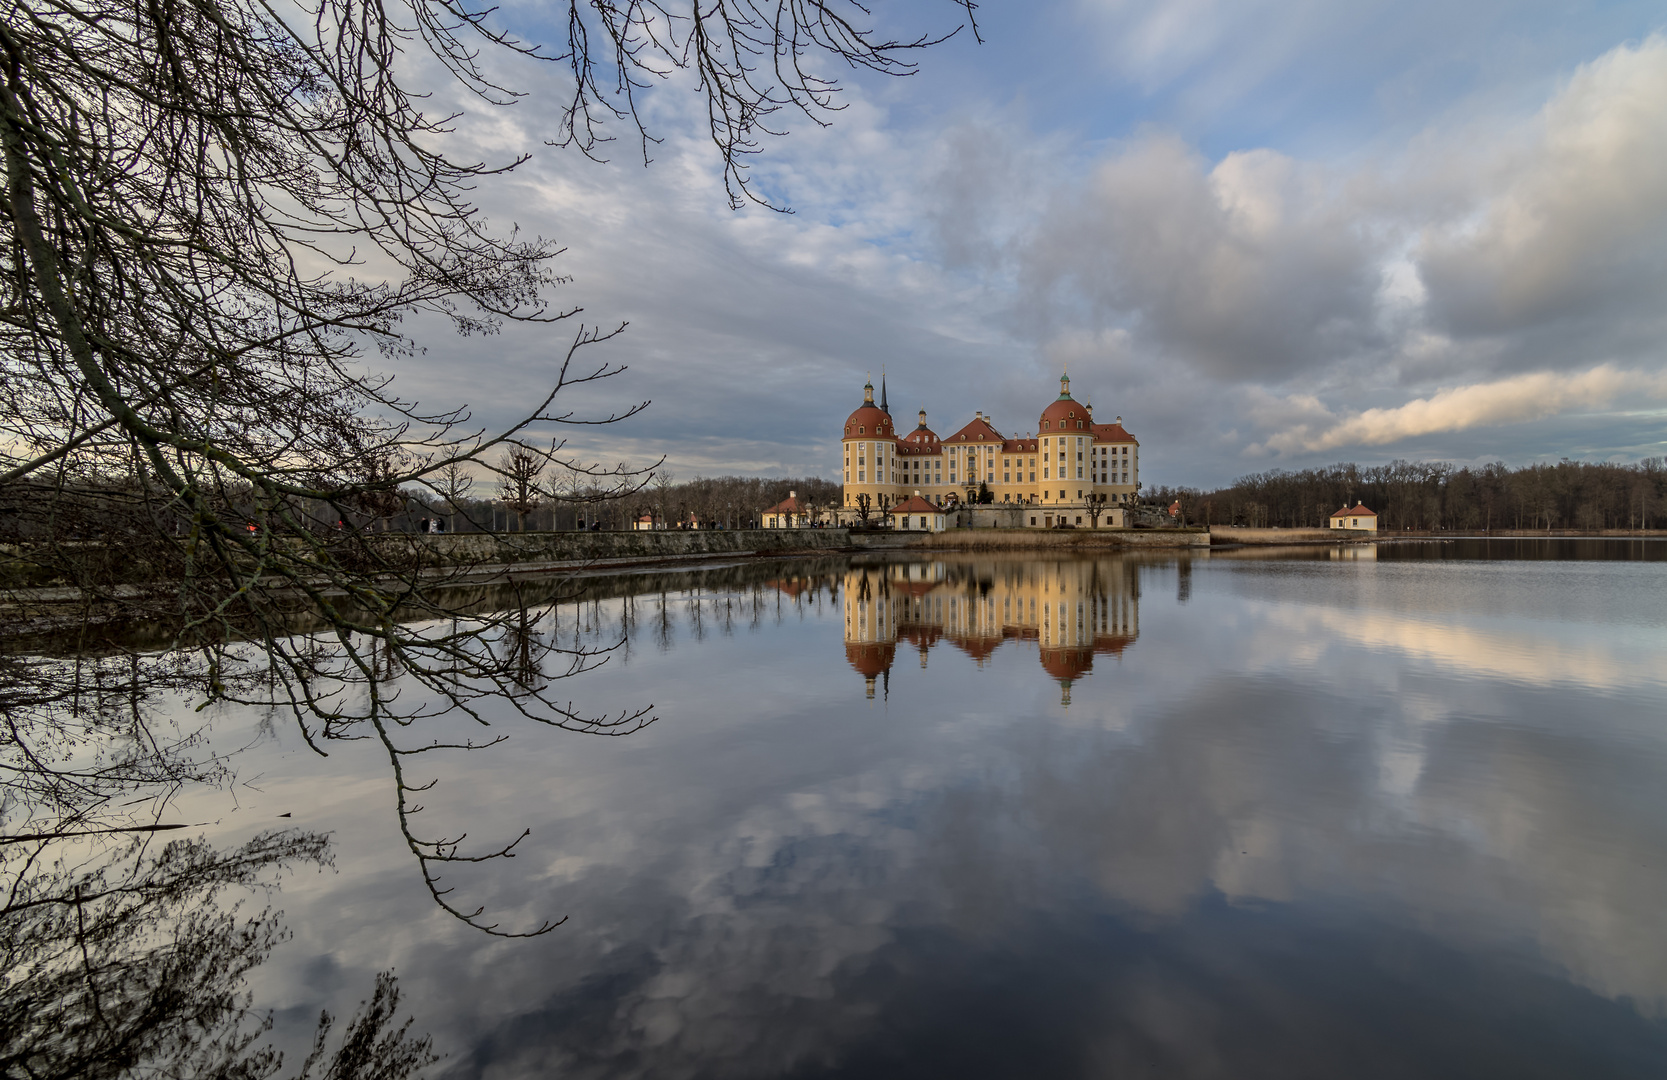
<point x="1268" y="235"/>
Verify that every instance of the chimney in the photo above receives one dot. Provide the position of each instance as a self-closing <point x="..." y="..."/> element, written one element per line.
<point x="792" y="494"/>
<point x="1119" y="419"/>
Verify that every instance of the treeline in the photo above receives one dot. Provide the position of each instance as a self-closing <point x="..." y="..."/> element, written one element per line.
<point x="730" y="502"/>
<point x="1438" y="495"/>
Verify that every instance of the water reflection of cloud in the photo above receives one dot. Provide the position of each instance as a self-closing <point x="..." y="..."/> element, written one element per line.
<point x="812" y="918"/>
<point x="788" y="880"/>
<point x="1521" y="656"/>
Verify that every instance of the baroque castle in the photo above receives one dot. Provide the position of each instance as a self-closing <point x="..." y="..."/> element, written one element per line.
<point x="1072" y="471"/>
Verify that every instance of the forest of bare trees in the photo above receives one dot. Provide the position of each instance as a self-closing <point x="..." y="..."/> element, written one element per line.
<point x="1438" y="495"/>
<point x="729" y="502"/>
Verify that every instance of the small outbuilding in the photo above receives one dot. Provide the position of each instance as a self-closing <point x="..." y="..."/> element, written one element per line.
<point x="1359" y="519"/>
<point x="790" y="513"/>
<point x="915" y="514"/>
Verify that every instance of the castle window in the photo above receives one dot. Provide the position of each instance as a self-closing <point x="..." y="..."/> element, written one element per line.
<point x="862" y="430"/>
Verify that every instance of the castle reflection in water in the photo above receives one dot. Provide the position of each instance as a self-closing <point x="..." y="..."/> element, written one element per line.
<point x="1070" y="610"/>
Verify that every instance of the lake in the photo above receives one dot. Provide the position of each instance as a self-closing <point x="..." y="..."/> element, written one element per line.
<point x="1383" y="811"/>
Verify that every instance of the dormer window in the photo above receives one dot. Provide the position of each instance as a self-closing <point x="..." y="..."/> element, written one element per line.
<point x="862" y="429"/>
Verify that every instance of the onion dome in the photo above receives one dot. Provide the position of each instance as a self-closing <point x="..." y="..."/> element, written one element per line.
<point x="922" y="436"/>
<point x="1069" y="664"/>
<point x="1066" y="413"/>
<point x="869" y="419"/>
<point x="870" y="659"/>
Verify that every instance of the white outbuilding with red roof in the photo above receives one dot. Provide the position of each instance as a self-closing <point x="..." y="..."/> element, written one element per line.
<point x="1360" y="519"/>
<point x="915" y="514"/>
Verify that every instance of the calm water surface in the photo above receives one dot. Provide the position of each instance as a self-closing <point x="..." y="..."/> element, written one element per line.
<point x="1395" y="812"/>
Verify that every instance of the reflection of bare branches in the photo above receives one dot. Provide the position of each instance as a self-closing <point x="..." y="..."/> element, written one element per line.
<point x="662" y="630"/>
<point x="523" y="650"/>
<point x="93" y="743"/>
<point x="132" y="967"/>
<point x="77" y="737"/>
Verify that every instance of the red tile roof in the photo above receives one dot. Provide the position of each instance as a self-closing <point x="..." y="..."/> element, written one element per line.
<point x="976" y="431"/>
<point x="1113" y="433"/>
<point x="915" y="505"/>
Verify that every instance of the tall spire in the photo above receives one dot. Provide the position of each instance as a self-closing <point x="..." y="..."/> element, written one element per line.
<point x="883" y="406"/>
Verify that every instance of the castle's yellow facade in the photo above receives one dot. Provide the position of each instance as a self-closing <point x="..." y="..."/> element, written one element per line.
<point x="1071" y="471"/>
<point x="1072" y="610"/>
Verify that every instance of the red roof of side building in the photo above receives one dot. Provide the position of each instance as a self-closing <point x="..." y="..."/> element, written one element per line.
<point x="1358" y="511"/>
<point x="1019" y="446"/>
<point x="1113" y="433"/>
<point x="789" y="505"/>
<point x="915" y="505"/>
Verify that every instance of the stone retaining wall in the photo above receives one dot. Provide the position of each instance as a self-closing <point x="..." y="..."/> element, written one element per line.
<point x="1032" y="539"/>
<point x="1233" y="534"/>
<point x="462" y="549"/>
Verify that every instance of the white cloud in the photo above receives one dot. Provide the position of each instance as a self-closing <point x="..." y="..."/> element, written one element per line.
<point x="1253" y="267"/>
<point x="1256" y="293"/>
<point x="1505" y="401"/>
<point x="1576" y="226"/>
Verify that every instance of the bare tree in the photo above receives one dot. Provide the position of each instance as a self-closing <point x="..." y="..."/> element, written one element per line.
<point x="519" y="470"/>
<point x="664" y="485"/>
<point x="453" y="483"/>
<point x="210" y="211"/>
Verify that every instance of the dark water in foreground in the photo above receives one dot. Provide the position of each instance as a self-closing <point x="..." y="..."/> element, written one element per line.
<point x="1397" y="813"/>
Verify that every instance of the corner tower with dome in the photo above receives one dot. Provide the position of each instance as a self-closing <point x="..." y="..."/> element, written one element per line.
<point x="1071" y="471"/>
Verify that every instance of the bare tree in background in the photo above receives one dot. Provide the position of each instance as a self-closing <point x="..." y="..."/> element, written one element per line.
<point x="519" y="471"/>
<point x="211" y="209"/>
<point x="453" y="483"/>
<point x="663" y="483"/>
